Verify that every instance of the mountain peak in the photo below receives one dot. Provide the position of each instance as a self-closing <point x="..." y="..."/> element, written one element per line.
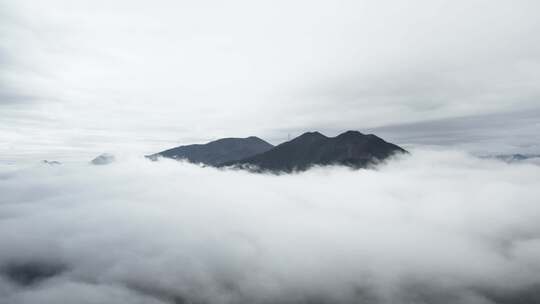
<point x="254" y="138"/>
<point x="313" y="133"/>
<point x="311" y="136"/>
<point x="217" y="151"/>
<point x="350" y="133"/>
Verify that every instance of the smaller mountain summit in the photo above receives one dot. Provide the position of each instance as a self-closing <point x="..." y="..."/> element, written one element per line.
<point x="103" y="159"/>
<point x="309" y="137"/>
<point x="51" y="162"/>
<point x="216" y="152"/>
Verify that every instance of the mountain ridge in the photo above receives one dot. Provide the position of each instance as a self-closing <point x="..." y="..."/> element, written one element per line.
<point x="216" y="152"/>
<point x="350" y="148"/>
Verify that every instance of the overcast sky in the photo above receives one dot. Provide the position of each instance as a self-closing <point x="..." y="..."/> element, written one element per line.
<point x="444" y="79"/>
<point x="83" y="77"/>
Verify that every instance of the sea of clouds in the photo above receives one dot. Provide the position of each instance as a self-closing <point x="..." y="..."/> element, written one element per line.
<point x="430" y="227"/>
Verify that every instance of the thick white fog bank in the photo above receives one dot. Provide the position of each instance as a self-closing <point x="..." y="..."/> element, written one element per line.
<point x="432" y="227"/>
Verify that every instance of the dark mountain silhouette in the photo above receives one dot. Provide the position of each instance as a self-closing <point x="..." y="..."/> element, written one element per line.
<point x="351" y="148"/>
<point x="218" y="151"/>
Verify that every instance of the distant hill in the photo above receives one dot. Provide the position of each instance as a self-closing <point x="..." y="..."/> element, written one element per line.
<point x="103" y="159"/>
<point x="218" y="151"/>
<point x="51" y="162"/>
<point x="514" y="158"/>
<point x="351" y="148"/>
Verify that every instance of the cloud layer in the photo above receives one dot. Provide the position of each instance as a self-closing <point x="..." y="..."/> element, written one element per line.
<point x="431" y="227"/>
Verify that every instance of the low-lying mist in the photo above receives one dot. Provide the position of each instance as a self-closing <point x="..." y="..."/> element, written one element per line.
<point x="430" y="227"/>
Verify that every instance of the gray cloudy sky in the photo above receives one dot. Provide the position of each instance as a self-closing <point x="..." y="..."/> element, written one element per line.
<point x="81" y="77"/>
